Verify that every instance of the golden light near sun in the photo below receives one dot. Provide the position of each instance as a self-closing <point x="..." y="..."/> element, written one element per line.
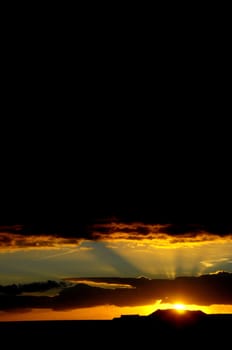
<point x="179" y="307"/>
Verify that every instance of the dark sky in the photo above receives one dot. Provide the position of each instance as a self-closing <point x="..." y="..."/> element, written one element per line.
<point x="165" y="170"/>
<point x="69" y="206"/>
<point x="122" y="144"/>
<point x="80" y="201"/>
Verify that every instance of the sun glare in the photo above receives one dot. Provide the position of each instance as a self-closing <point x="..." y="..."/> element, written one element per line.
<point x="179" y="307"/>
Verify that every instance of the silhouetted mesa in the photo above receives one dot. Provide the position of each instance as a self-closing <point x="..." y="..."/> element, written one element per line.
<point x="173" y="320"/>
<point x="129" y="317"/>
<point x="163" y="326"/>
<point x="183" y="317"/>
<point x="169" y="315"/>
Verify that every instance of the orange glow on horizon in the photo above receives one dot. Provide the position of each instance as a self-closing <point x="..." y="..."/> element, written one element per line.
<point x="105" y="312"/>
<point x="181" y="308"/>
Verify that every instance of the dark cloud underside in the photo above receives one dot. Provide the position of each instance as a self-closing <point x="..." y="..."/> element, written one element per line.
<point x="203" y="290"/>
<point x="101" y="228"/>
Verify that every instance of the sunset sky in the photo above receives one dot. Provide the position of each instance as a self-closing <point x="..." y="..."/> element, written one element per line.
<point x="119" y="233"/>
<point x="112" y="267"/>
<point x="115" y="173"/>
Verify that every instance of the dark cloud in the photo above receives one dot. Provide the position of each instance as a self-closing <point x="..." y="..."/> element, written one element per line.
<point x="66" y="230"/>
<point x="107" y="226"/>
<point x="20" y="241"/>
<point x="173" y="232"/>
<point x="17" y="289"/>
<point x="194" y="229"/>
<point x="8" y="302"/>
<point x="10" y="228"/>
<point x="203" y="290"/>
<point x="53" y="236"/>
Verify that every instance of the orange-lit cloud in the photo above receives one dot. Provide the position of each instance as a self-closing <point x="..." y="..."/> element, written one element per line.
<point x="106" y="285"/>
<point x="145" y="229"/>
<point x="154" y="235"/>
<point x="163" y="240"/>
<point x="160" y="235"/>
<point x="13" y="241"/>
<point x="26" y="236"/>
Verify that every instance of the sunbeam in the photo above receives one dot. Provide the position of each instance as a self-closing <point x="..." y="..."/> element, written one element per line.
<point x="112" y="257"/>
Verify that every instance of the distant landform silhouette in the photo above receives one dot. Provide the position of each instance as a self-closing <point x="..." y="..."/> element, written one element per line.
<point x="169" y="315"/>
<point x="165" y="327"/>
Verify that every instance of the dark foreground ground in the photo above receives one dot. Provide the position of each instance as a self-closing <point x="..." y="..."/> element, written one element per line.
<point x="211" y="331"/>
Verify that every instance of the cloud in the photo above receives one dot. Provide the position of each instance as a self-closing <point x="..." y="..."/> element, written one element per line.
<point x="70" y="235"/>
<point x="212" y="262"/>
<point x="203" y="290"/>
<point x="66" y="230"/>
<point x="161" y="235"/>
<point x="10" y="228"/>
<point x="106" y="284"/>
<point x="139" y="230"/>
<point x="13" y="241"/>
<point x="34" y="287"/>
<point x="121" y="230"/>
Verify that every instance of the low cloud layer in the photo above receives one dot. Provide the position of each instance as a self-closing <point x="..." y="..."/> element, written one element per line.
<point x="138" y="230"/>
<point x="203" y="290"/>
<point x="35" y="287"/>
<point x="53" y="236"/>
<point x="20" y="241"/>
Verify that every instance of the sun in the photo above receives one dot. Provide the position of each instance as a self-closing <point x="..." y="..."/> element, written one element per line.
<point x="179" y="307"/>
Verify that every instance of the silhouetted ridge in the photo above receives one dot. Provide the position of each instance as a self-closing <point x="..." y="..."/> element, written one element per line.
<point x="172" y="314"/>
<point x="169" y="316"/>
